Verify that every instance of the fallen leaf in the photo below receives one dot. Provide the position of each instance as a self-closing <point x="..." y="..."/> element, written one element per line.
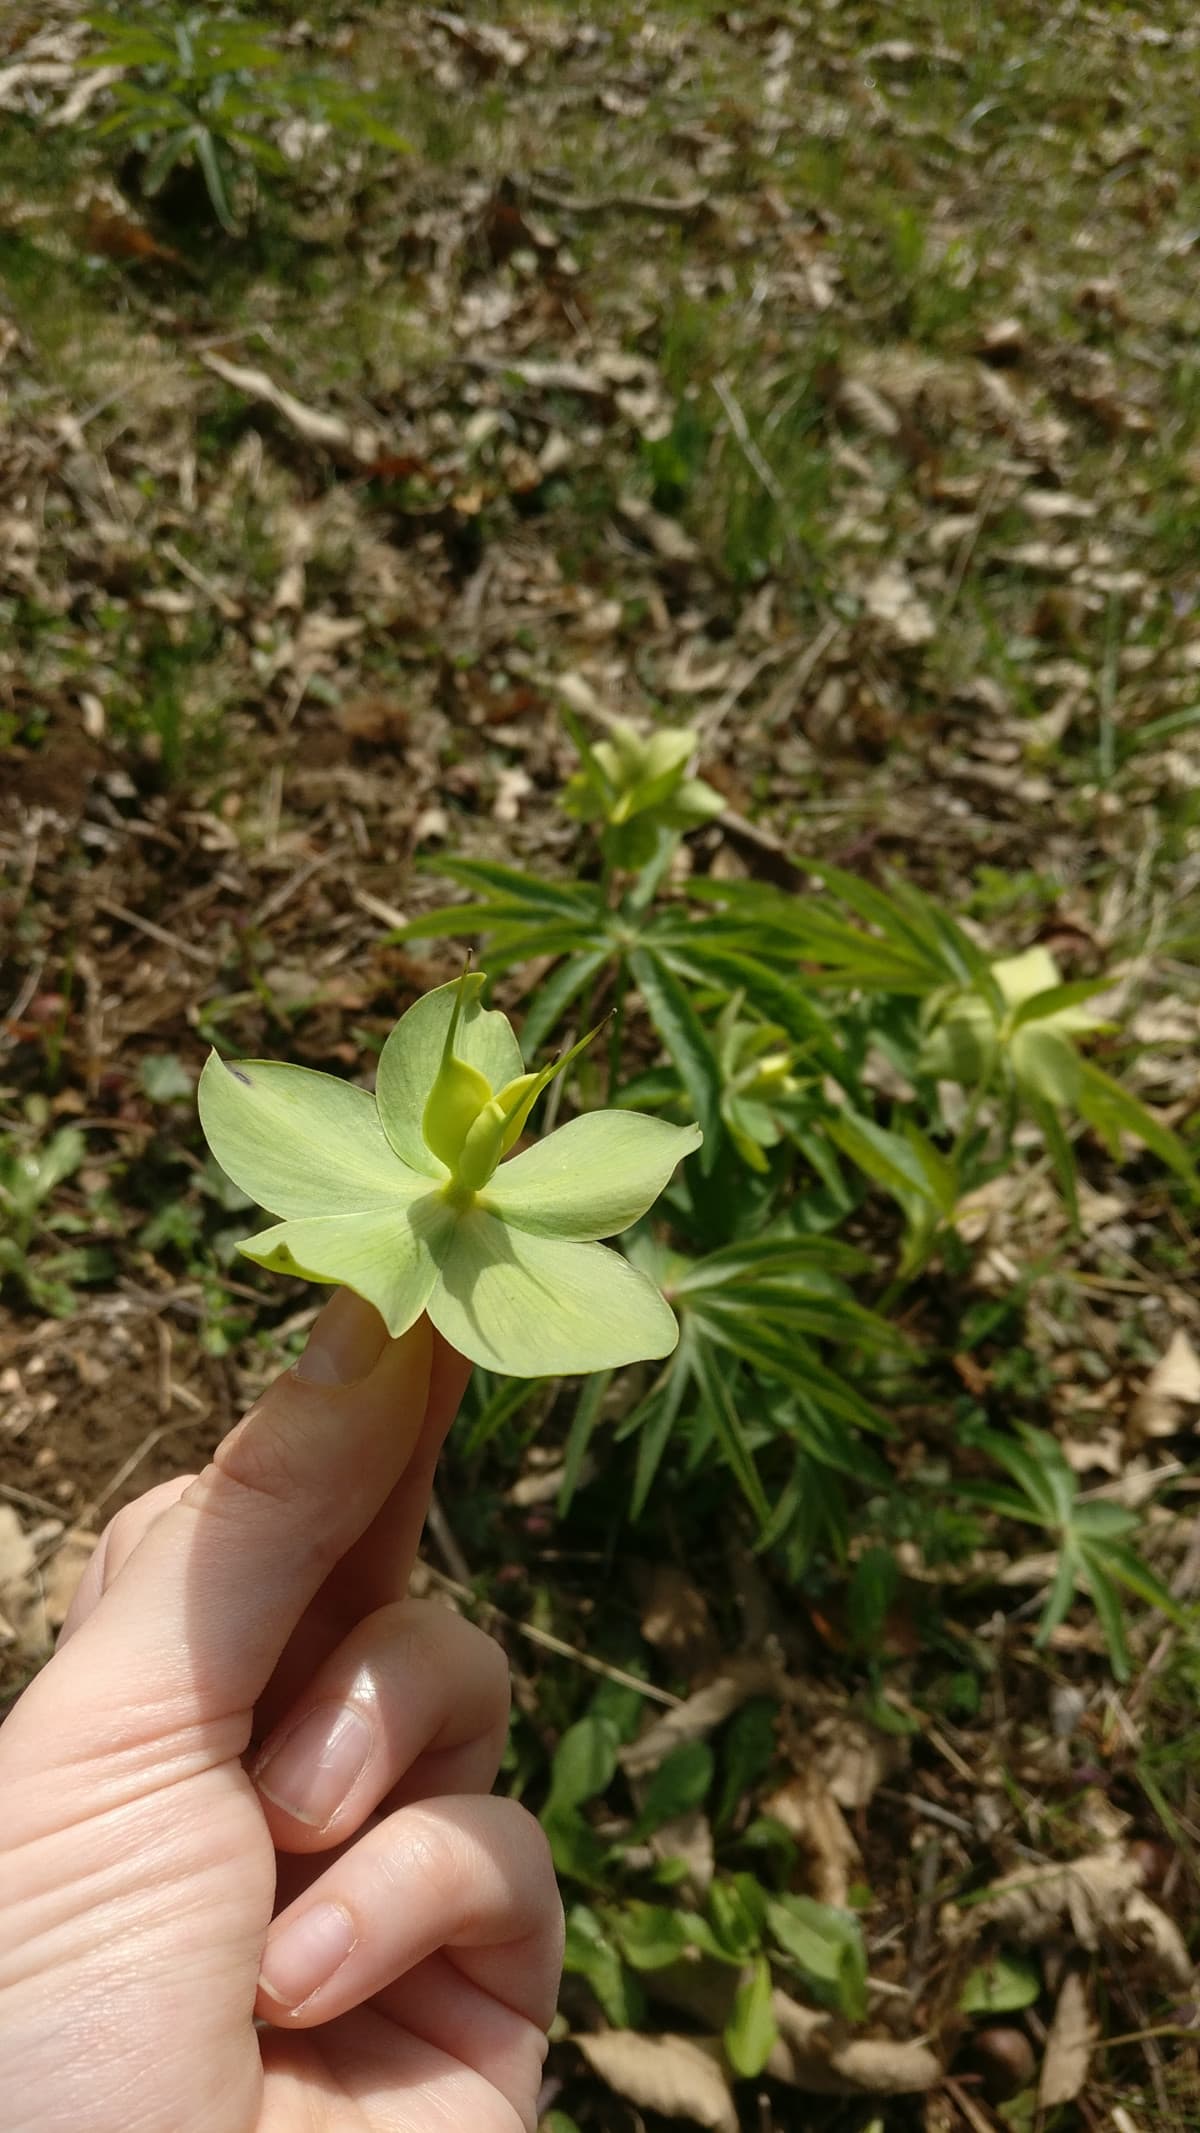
<point x="700" y="1714"/>
<point x="1068" y="2045"/>
<point x="809" y="1812"/>
<point x="681" y="2077"/>
<point x="814" y="2053"/>
<point x="855" y="1760"/>
<point x="675" y="1617"/>
<point x="1098" y="1898"/>
<point x="665" y="535"/>
<point x="61" y="1575"/>
<point x="892" y="601"/>
<point x="1171" y="1390"/>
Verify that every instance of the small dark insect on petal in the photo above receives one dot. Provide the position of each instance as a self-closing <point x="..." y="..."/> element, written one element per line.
<point x="239" y="1076"/>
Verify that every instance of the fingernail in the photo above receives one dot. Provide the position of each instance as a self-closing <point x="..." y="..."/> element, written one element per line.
<point x="345" y="1343"/>
<point x="313" y="1768"/>
<point x="305" y="1953"/>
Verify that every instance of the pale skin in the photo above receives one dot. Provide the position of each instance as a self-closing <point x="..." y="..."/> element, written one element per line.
<point x="252" y="1875"/>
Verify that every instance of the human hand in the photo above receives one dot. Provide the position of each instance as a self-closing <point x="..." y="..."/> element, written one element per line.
<point x="246" y="1715"/>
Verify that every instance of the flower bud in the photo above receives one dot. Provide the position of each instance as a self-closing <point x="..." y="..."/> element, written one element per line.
<point x="459" y="1093"/>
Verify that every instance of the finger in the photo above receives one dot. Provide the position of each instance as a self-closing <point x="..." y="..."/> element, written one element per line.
<point x="412" y="1704"/>
<point x="470" y="1876"/>
<point x="114" y="1548"/>
<point x="377" y="1569"/>
<point x="371" y="2069"/>
<point x="208" y="1599"/>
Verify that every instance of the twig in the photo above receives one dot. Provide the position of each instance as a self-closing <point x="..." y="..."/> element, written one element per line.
<point x="918" y="1961"/>
<point x="156" y="933"/>
<point x="550" y="1643"/>
<point x="967" y="547"/>
<point x="33" y="979"/>
<point x="678" y="207"/>
<point x="273" y="904"/>
<point x="375" y="907"/>
<point x="126" y="1468"/>
<point x="970" y="2111"/>
<point x="228" y="609"/>
<point x="958" y="1823"/>
<point x="12" y="1494"/>
<point x="452" y="1555"/>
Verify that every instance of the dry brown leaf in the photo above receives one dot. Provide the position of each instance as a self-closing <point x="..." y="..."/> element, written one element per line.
<point x="1172" y="1389"/>
<point x="1097" y="1898"/>
<point x="808" y="1811"/>
<point x="665" y="535"/>
<point x="1068" y="2045"/>
<point x="61" y="1575"/>
<point x="814" y="2053"/>
<point x="696" y="1719"/>
<point x="688" y="1837"/>
<point x="682" y="2077"/>
<point x="675" y="1617"/>
<point x="854" y="1760"/>
<point x="893" y="602"/>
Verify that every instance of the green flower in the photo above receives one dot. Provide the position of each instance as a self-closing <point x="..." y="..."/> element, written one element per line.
<point x="965" y="1036"/>
<point x="406" y="1196"/>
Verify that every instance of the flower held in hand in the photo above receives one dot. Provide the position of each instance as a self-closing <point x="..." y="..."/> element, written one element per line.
<point x="406" y="1197"/>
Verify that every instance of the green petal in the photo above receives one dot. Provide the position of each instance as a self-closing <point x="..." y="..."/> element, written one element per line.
<point x="390" y="1257"/>
<point x="535" y="1307"/>
<point x="409" y="1062"/>
<point x="593" y="1177"/>
<point x="299" y="1143"/>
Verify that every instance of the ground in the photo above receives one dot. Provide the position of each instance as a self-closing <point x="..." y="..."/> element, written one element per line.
<point x="823" y="380"/>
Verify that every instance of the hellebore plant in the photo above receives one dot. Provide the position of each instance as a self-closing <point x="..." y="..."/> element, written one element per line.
<point x="406" y="1196"/>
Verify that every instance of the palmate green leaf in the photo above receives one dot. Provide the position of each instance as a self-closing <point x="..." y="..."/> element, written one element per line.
<point x="1060" y="1002"/>
<point x="910" y="921"/>
<point x="1062" y="1592"/>
<point x="893" y="1161"/>
<point x="683" y="1034"/>
<point x="1107" y="1603"/>
<point x="812" y="1262"/>
<point x="728" y="1428"/>
<point x="209" y="158"/>
<point x="653" y="1420"/>
<point x="1112" y="1111"/>
<point x="555" y="995"/>
<point x="1060" y="1152"/>
<point x="588" y="1410"/>
<point x="792" y="1362"/>
<point x="778" y="999"/>
<point x="1127" y="1568"/>
<point x="540" y="897"/>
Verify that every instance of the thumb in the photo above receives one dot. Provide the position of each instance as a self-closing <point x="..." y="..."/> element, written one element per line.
<point x="190" y="1631"/>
